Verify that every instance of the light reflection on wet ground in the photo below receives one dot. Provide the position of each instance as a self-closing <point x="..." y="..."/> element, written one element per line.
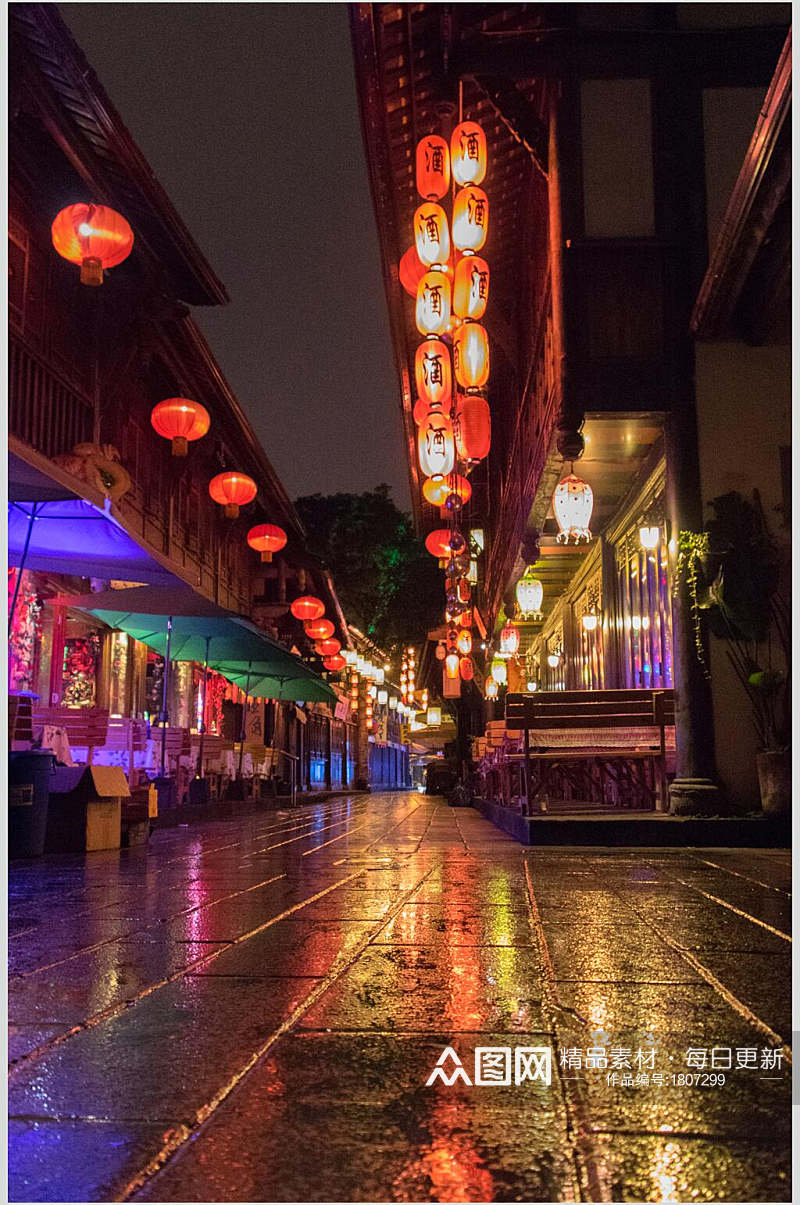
<point x="245" y="1011"/>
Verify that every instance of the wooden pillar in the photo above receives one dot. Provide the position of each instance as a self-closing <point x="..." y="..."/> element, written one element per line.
<point x="57" y="657"/>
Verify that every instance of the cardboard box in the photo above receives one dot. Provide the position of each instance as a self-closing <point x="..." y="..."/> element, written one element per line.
<point x="85" y="812"/>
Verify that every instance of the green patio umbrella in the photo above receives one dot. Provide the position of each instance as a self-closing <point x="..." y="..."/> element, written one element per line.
<point x="184" y="626"/>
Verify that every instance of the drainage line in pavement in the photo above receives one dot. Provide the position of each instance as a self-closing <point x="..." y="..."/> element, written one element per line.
<point x="585" y="1157"/>
<point x="184" y="1133"/>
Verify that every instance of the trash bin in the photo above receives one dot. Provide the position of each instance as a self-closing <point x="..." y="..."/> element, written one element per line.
<point x="29" y="776"/>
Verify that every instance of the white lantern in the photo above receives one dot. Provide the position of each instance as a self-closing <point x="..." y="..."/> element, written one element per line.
<point x="649" y="537"/>
<point x="393" y="704"/>
<point x="434" y="717"/>
<point x="532" y="686"/>
<point x="553" y="660"/>
<point x="491" y="688"/>
<point x="499" y="671"/>
<point x="350" y="656"/>
<point x="573" y="501"/>
<point x="590" y="621"/>
<point x="509" y="640"/>
<point x="372" y="691"/>
<point x="380" y="676"/>
<point x="529" y="596"/>
<point x="383" y="697"/>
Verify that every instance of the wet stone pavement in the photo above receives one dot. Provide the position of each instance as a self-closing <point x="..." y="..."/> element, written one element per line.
<point x="251" y="1010"/>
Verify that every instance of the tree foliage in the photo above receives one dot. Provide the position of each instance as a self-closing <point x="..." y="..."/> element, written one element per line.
<point x="387" y="583"/>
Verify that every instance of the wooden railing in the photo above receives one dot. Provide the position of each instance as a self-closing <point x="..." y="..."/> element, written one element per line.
<point x="43" y="409"/>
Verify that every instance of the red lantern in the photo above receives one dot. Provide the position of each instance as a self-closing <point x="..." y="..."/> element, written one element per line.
<point x="473" y="427"/>
<point x="411" y="270"/>
<point x="307" y="607"/>
<point x="421" y="411"/>
<point x="435" y="445"/>
<point x="432" y="234"/>
<point x="471" y="355"/>
<point x="181" y="420"/>
<point x="318" y="629"/>
<point x="466" y="669"/>
<point x="433" y="167"/>
<point x="93" y="236"/>
<point x="266" y="538"/>
<point x="327" y="648"/>
<point x="432" y="373"/>
<point x="471" y="287"/>
<point x="470" y="219"/>
<point x="468" y="153"/>
<point x="433" y="304"/>
<point x="440" y="543"/>
<point x="334" y="663"/>
<point x="232" y="490"/>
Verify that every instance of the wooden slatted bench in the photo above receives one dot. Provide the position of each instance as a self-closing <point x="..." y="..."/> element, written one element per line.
<point x="86" y="727"/>
<point x="592" y="738"/>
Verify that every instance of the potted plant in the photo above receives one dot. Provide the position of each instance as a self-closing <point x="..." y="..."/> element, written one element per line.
<point x="742" y="600"/>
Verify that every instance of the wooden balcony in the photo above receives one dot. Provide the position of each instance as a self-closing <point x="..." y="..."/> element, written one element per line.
<point x="44" y="410"/>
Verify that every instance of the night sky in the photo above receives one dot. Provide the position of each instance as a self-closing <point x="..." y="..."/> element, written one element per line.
<point x="248" y="116"/>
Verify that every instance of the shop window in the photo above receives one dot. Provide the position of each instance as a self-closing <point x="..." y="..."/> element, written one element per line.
<point x="80" y="669"/>
<point x="120" y="652"/>
<point x="645" y="619"/>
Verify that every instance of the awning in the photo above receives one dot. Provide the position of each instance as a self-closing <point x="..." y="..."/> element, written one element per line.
<point x="57" y="524"/>
<point x="200" y="631"/>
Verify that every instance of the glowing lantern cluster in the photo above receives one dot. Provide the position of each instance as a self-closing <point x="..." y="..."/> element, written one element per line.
<point x="232" y="490"/>
<point x="452" y="292"/>
<point x="180" y="420"/>
<point x="267" y="539"/>
<point x="573" y="501"/>
<point x="408" y="675"/>
<point x="93" y="236"/>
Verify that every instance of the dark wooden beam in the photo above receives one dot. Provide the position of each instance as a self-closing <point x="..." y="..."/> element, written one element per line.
<point x="714" y="57"/>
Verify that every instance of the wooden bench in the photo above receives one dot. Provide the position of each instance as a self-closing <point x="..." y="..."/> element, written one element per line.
<point x="129" y="736"/>
<point x="592" y="739"/>
<point x="86" y="727"/>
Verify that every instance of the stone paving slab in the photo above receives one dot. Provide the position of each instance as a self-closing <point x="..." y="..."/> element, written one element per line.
<point x="293" y="1064"/>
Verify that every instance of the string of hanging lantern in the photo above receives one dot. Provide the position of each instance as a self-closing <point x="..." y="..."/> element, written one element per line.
<point x="450" y="281"/>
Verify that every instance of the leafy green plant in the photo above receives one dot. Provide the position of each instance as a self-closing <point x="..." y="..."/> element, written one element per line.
<point x="741" y="598"/>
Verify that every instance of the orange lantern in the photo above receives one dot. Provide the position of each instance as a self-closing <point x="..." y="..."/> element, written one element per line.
<point x="93" y="236"/>
<point x="433" y="167"/>
<point x="433" y="304"/>
<point x="327" y="648"/>
<point x="266" y="538"/>
<point x="436" y="445"/>
<point x="451" y="664"/>
<point x="464" y="642"/>
<point x="431" y="234"/>
<point x="470" y="219"/>
<point x="432" y="373"/>
<point x="473" y="427"/>
<point x="471" y="287"/>
<point x="491" y="688"/>
<point x="334" y="663"/>
<point x="468" y="153"/>
<point x="318" y="629"/>
<point x="435" y="490"/>
<point x="232" y="490"/>
<point x="411" y="270"/>
<point x="471" y="355"/>
<point x="466" y="669"/>
<point x="181" y="420"/>
<point x="307" y="607"/>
